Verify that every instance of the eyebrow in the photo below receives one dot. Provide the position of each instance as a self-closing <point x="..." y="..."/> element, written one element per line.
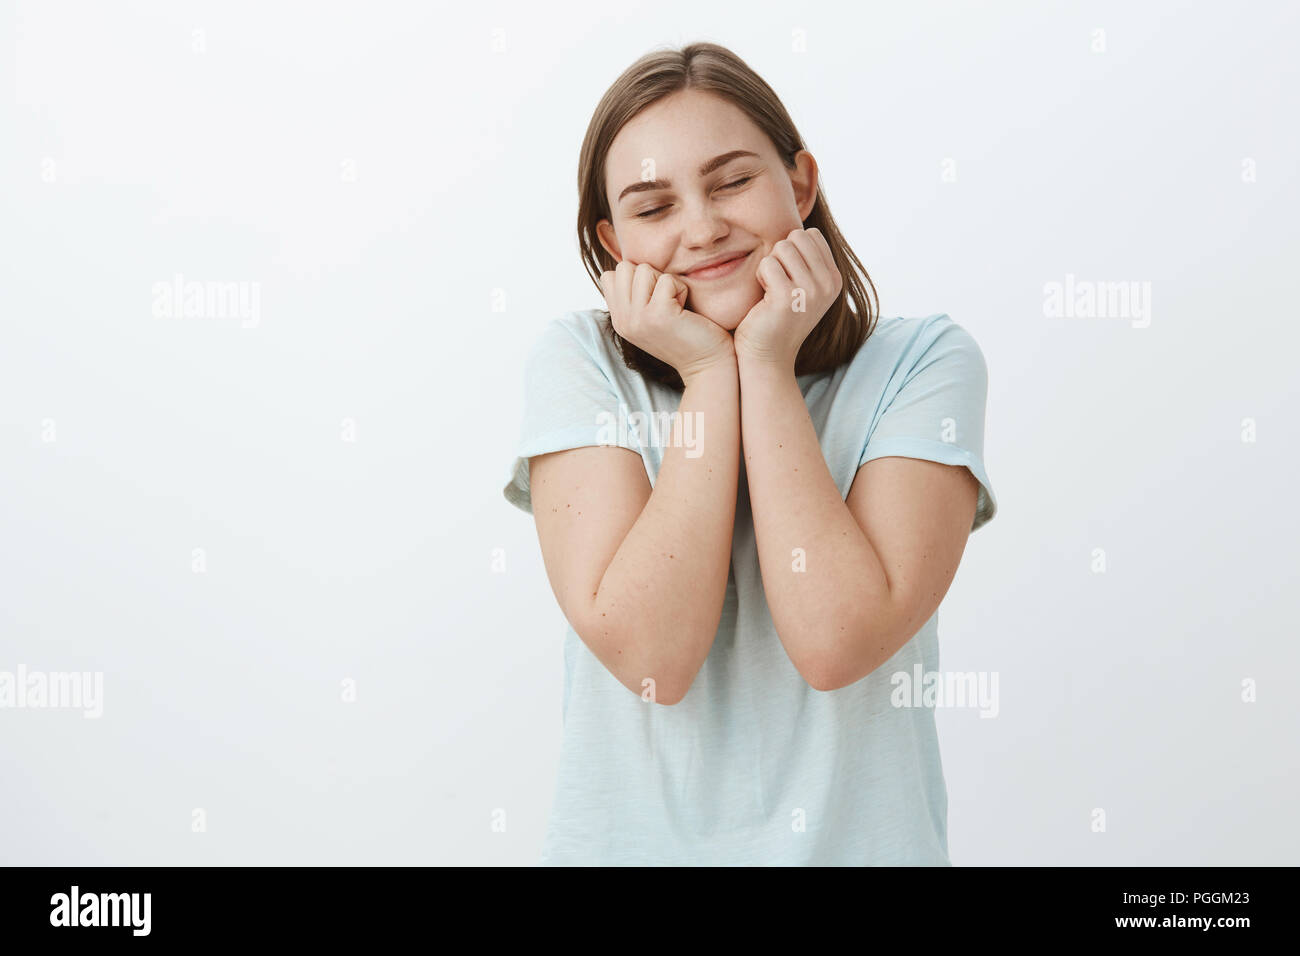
<point x="710" y="166"/>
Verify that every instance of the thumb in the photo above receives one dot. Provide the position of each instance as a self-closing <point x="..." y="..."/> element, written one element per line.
<point x="670" y="285"/>
<point x="680" y="290"/>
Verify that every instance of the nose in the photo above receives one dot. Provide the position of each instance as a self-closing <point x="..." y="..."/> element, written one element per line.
<point x="704" y="226"/>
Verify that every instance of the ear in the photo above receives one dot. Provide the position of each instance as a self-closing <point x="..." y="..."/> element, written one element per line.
<point x="605" y="233"/>
<point x="803" y="179"/>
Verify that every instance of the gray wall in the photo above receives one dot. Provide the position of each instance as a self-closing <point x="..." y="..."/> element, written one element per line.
<point x="369" y="175"/>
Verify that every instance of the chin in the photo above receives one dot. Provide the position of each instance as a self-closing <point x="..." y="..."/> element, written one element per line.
<point x="729" y="321"/>
<point x="727" y="311"/>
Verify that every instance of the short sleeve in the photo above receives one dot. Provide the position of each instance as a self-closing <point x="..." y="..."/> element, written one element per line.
<point x="937" y="413"/>
<point x="569" y="402"/>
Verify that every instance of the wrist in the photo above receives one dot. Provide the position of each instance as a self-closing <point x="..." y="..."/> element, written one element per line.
<point x="757" y="362"/>
<point x="721" y="362"/>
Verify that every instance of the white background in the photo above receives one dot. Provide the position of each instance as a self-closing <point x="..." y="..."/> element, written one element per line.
<point x="379" y="169"/>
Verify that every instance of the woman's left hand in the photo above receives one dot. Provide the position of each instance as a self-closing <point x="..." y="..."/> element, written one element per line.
<point x="800" y="282"/>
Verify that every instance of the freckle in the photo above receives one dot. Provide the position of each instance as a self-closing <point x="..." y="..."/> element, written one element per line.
<point x="670" y="555"/>
<point x="602" y="613"/>
<point x="779" y="445"/>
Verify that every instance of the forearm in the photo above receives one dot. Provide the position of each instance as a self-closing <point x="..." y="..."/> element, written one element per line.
<point x="820" y="572"/>
<point x="660" y="599"/>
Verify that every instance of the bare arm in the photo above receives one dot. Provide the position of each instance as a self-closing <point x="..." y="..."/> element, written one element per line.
<point x="847" y="582"/>
<point x="641" y="574"/>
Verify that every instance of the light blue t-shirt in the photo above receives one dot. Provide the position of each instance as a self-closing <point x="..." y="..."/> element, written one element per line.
<point x="753" y="766"/>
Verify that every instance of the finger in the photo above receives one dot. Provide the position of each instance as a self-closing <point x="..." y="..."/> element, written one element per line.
<point x="623" y="281"/>
<point x="819" y="279"/>
<point x="822" y="248"/>
<point x="801" y="270"/>
<point x="664" y="291"/>
<point x="780" y="277"/>
<point x="643" y="283"/>
<point x="677" y="289"/>
<point x="680" y="290"/>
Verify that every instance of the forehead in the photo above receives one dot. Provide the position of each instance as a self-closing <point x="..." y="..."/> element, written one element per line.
<point x="679" y="132"/>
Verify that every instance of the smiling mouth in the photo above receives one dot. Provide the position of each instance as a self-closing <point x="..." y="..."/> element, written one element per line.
<point x="720" y="269"/>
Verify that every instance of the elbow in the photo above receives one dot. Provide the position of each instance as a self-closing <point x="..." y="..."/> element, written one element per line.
<point x="834" y="673"/>
<point x="818" y="668"/>
<point x="676" y="682"/>
<point x="655" y="681"/>
<point x="823" y="676"/>
<point x="652" y="691"/>
<point x="669" y="701"/>
<point x="846" y="662"/>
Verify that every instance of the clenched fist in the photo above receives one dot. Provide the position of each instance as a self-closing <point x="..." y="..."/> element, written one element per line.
<point x="648" y="308"/>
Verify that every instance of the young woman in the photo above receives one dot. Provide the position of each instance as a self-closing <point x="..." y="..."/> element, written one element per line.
<point x="741" y="586"/>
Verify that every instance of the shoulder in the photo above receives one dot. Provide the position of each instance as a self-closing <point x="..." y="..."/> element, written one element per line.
<point x="578" y="350"/>
<point x="579" y="338"/>
<point x="583" y="328"/>
<point x="917" y="335"/>
<point x="905" y="345"/>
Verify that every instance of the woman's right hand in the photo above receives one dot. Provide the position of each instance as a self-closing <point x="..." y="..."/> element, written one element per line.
<point x="648" y="308"/>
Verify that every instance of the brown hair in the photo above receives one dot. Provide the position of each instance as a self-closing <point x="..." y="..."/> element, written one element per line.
<point x="712" y="68"/>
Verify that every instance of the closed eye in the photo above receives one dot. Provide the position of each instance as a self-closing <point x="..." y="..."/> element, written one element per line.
<point x="737" y="182"/>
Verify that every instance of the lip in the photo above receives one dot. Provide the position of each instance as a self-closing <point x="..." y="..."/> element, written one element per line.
<point x="719" y="270"/>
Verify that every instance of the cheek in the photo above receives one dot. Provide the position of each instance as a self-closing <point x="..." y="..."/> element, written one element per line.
<point x="775" y="215"/>
<point x="658" y="252"/>
<point x="644" y="245"/>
